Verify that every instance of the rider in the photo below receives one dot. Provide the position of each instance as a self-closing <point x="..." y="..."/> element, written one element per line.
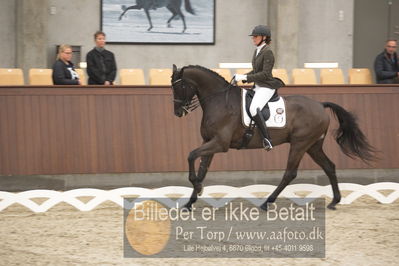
<point x="265" y="84"/>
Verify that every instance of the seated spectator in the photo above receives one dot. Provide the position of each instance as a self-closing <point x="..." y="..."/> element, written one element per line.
<point x="63" y="71"/>
<point x="386" y="64"/>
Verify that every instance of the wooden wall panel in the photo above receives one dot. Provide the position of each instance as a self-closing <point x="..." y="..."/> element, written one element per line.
<point x="62" y="130"/>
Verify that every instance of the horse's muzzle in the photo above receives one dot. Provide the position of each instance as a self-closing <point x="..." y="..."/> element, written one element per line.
<point x="180" y="112"/>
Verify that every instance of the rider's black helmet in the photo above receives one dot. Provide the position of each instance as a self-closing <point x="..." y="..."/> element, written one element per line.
<point x="261" y="30"/>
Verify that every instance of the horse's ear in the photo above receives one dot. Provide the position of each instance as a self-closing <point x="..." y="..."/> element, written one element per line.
<point x="174" y="68"/>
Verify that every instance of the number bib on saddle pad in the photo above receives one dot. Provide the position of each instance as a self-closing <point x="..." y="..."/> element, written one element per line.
<point x="277" y="116"/>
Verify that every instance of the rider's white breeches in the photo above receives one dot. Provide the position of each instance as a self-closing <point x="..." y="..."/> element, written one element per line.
<point x="262" y="96"/>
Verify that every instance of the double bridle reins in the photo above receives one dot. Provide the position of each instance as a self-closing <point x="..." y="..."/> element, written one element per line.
<point x="190" y="105"/>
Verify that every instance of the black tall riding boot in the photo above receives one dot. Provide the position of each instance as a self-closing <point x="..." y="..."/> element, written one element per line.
<point x="260" y="123"/>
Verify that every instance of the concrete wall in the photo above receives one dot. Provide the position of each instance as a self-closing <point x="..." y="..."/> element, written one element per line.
<point x="74" y="23"/>
<point x="326" y="32"/>
<point x="31" y="34"/>
<point x="375" y="22"/>
<point x="309" y="31"/>
<point x="284" y="23"/>
<point x="7" y="33"/>
<point x="80" y="19"/>
<point x="303" y="31"/>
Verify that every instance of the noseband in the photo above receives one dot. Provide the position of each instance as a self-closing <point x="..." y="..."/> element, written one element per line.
<point x="188" y="105"/>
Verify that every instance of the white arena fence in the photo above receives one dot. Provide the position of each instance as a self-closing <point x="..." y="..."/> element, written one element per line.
<point x="211" y="192"/>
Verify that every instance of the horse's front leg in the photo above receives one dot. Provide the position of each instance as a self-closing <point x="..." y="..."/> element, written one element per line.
<point x="147" y="12"/>
<point x="206" y="152"/>
<point x="123" y="13"/>
<point x="203" y="170"/>
<point x="125" y="9"/>
<point x="196" y="180"/>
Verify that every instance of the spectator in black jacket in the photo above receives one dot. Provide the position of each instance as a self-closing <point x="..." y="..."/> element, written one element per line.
<point x="63" y="71"/>
<point x="101" y="65"/>
<point x="386" y="65"/>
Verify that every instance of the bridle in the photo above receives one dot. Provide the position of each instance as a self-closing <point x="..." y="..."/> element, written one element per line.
<point x="189" y="105"/>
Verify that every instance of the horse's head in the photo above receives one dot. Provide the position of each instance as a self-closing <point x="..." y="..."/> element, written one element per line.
<point x="183" y="93"/>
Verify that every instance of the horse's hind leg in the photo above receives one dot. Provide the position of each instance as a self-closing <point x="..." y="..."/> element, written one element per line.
<point x="169" y="20"/>
<point x="176" y="12"/>
<point x="318" y="155"/>
<point x="184" y="21"/>
<point x="294" y="158"/>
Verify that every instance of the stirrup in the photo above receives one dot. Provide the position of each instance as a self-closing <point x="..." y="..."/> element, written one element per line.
<point x="267" y="145"/>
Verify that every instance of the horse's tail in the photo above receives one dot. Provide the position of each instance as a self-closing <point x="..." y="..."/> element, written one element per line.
<point x="188" y="7"/>
<point x="349" y="137"/>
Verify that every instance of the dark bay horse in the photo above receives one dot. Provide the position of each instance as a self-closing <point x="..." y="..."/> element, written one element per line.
<point x="174" y="6"/>
<point x="222" y="129"/>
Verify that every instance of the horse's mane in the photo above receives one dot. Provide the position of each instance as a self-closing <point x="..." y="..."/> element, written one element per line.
<point x="206" y="70"/>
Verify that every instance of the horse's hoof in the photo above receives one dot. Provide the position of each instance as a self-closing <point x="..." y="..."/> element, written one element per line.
<point x="150" y="28"/>
<point x="264" y="206"/>
<point x="201" y="191"/>
<point x="186" y="208"/>
<point x="331" y="206"/>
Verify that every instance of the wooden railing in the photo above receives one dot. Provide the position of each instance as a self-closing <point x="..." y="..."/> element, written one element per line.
<point x="84" y="129"/>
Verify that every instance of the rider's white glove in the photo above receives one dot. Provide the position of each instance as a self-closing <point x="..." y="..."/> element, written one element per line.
<point x="239" y="77"/>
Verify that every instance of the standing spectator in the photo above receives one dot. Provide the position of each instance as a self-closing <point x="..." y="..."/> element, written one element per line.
<point x="386" y="65"/>
<point x="101" y="65"/>
<point x="63" y="71"/>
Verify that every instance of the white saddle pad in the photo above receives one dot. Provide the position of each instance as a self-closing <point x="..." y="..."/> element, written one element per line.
<point x="277" y="112"/>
